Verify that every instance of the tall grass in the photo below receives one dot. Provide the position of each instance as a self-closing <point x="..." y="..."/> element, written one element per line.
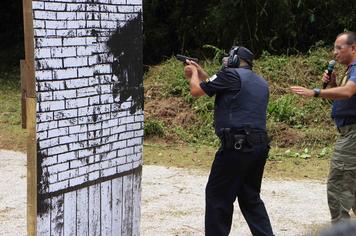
<point x="12" y="136"/>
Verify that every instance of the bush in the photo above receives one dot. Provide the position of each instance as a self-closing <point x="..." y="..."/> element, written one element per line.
<point x="154" y="127"/>
<point x="284" y="110"/>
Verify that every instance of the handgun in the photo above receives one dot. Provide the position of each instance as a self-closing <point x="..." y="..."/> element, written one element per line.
<point x="184" y="58"/>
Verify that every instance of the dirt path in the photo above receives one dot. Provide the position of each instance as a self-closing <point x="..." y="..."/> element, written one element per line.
<point x="173" y="202"/>
<point x="12" y="193"/>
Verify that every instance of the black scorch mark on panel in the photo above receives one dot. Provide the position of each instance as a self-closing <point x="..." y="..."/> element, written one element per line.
<point x="126" y="46"/>
<point x="43" y="203"/>
<point x="59" y="216"/>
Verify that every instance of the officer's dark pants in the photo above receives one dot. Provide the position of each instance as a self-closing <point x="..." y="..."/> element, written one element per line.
<point x="236" y="174"/>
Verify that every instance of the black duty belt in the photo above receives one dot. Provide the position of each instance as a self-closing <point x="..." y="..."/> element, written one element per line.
<point x="242" y="139"/>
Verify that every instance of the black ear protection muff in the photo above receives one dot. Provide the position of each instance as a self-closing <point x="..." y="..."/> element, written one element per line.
<point x="233" y="60"/>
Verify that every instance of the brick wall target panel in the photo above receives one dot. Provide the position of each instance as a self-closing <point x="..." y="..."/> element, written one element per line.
<point x="89" y="114"/>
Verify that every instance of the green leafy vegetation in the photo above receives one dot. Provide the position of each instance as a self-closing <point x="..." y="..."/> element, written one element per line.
<point x="12" y="136"/>
<point x="153" y="127"/>
<point x="279" y="26"/>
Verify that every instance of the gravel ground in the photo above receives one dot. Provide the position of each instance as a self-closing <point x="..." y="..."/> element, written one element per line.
<point x="173" y="202"/>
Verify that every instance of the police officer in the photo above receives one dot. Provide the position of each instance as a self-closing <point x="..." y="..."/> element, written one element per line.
<point x="341" y="185"/>
<point x="241" y="99"/>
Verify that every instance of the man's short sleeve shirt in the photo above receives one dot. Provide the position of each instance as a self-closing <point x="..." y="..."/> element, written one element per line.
<point x="225" y="81"/>
<point x="352" y="72"/>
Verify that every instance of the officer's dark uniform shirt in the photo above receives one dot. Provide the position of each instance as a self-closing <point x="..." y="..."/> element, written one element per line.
<point x="241" y="98"/>
<point x="344" y="111"/>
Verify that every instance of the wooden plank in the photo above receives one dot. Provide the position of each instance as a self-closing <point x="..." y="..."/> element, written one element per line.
<point x="31" y="167"/>
<point x="94" y="210"/>
<point x="136" y="203"/>
<point x="44" y="223"/>
<point x="106" y="208"/>
<point x="57" y="216"/>
<point x="83" y="212"/>
<point x="127" y="205"/>
<point x="70" y="213"/>
<point x="116" y="206"/>
<point x="30" y="122"/>
<point x="29" y="47"/>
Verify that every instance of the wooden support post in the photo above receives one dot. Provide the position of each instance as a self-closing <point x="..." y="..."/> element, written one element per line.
<point x="31" y="168"/>
<point x="28" y="89"/>
<point x="29" y="49"/>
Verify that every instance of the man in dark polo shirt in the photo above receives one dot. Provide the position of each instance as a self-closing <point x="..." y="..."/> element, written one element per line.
<point x="341" y="186"/>
<point x="241" y="99"/>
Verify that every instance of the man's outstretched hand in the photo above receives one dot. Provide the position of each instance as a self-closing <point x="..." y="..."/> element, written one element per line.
<point x="302" y="91"/>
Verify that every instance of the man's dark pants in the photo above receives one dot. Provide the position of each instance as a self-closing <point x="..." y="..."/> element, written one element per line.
<point x="235" y="174"/>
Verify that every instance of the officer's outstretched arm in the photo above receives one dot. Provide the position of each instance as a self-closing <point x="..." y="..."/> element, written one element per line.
<point x="192" y="75"/>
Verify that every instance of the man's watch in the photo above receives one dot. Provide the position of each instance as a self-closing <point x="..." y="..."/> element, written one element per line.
<point x="316" y="92"/>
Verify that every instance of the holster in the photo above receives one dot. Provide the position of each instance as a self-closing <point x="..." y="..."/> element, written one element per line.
<point x="241" y="139"/>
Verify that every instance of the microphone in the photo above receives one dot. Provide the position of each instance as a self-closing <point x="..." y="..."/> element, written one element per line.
<point x="330" y="71"/>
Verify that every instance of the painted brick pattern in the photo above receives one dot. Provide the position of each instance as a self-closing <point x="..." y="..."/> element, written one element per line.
<point x="83" y="132"/>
